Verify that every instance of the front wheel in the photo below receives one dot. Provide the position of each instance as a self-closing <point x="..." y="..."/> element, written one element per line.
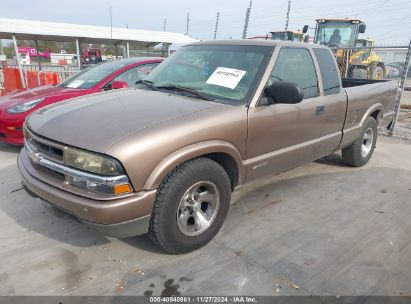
<point x="360" y="151"/>
<point x="358" y="73"/>
<point x="377" y="73"/>
<point x="191" y="205"/>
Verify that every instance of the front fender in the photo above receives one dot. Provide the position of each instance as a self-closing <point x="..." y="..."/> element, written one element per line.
<point x="192" y="151"/>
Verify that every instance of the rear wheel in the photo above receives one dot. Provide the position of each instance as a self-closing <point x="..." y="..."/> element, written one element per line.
<point x="360" y="151"/>
<point x="191" y="206"/>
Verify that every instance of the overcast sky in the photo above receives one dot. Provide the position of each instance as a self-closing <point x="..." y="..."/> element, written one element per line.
<point x="388" y="21"/>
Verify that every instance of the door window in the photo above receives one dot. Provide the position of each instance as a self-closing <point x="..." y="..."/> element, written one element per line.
<point x="296" y="65"/>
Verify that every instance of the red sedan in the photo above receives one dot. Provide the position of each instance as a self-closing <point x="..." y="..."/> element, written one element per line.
<point x="15" y="107"/>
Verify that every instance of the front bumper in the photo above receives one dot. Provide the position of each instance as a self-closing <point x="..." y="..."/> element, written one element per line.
<point x="122" y="217"/>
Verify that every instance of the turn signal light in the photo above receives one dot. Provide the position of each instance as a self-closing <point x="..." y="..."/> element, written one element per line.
<point x="121" y="189"/>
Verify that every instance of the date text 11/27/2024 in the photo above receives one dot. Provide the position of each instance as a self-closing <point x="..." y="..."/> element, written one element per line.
<point x="200" y="299"/>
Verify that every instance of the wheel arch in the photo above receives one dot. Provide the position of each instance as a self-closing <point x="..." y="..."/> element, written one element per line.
<point x="224" y="153"/>
<point x="375" y="111"/>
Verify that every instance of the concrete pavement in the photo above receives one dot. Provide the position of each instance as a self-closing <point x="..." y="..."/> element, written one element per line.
<point x="321" y="229"/>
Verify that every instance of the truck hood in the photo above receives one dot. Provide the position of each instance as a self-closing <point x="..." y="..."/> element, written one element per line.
<point x="22" y="96"/>
<point x="95" y="122"/>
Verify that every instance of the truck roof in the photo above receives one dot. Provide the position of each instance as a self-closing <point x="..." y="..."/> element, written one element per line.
<point x="268" y="43"/>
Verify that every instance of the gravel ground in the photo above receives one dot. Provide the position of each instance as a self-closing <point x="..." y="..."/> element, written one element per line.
<point x="402" y="130"/>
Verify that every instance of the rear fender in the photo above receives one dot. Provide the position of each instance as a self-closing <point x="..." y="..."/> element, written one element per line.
<point x="376" y="107"/>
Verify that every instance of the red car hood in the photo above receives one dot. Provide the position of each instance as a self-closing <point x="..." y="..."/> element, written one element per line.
<point x="48" y="91"/>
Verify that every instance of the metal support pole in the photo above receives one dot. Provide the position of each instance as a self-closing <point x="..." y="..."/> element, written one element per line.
<point x="188" y="23"/>
<point x="116" y="45"/>
<point x="16" y="51"/>
<point x="128" y="49"/>
<point x="247" y="20"/>
<point x="216" y="26"/>
<point x="78" y="54"/>
<point x="347" y="59"/>
<point x="400" y="90"/>
<point x="287" y="19"/>
<point x="38" y="53"/>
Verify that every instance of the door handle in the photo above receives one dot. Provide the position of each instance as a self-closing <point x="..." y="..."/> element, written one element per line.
<point x="319" y="110"/>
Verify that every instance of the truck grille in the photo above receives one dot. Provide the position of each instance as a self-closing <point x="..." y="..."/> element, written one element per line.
<point x="48" y="149"/>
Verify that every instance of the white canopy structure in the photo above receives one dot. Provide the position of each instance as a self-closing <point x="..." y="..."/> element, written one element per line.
<point x="40" y="30"/>
<point x="79" y="33"/>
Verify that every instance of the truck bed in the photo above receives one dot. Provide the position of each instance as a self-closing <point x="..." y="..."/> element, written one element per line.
<point x="367" y="97"/>
<point x="349" y="82"/>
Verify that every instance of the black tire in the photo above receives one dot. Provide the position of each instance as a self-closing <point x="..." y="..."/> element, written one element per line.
<point x="353" y="155"/>
<point x="359" y="73"/>
<point x="164" y="229"/>
<point x="376" y="72"/>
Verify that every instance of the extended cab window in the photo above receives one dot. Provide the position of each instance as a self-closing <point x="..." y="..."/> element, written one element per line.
<point x="328" y="70"/>
<point x="296" y="65"/>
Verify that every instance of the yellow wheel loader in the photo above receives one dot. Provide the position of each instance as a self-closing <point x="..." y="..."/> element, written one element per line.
<point x="289" y="35"/>
<point x="356" y="57"/>
<point x="365" y="63"/>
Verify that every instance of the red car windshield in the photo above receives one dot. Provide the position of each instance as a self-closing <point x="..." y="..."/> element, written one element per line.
<point x="88" y="78"/>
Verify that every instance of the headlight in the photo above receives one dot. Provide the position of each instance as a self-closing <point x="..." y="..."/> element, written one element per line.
<point x="91" y="162"/>
<point x="110" y="179"/>
<point x="25" y="106"/>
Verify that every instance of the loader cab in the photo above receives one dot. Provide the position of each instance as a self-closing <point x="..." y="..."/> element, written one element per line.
<point x="337" y="33"/>
<point x="364" y="48"/>
<point x="296" y="36"/>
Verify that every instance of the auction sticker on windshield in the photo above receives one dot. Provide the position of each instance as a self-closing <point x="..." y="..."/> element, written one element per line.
<point x="226" y="77"/>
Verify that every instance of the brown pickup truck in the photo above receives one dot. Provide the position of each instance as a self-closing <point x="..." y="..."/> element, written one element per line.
<point x="164" y="158"/>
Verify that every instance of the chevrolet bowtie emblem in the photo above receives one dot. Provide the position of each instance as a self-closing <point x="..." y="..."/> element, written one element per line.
<point x="35" y="157"/>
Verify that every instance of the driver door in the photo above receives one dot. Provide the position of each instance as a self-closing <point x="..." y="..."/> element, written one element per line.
<point x="283" y="136"/>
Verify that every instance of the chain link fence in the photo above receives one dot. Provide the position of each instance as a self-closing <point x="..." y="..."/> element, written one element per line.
<point x="378" y="63"/>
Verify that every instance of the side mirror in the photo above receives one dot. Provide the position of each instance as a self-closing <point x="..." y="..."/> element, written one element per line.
<point x="117" y="84"/>
<point x="362" y="28"/>
<point x="284" y="92"/>
<point x="305" y="29"/>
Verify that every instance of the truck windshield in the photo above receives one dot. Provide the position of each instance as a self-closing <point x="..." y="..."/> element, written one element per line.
<point x="92" y="76"/>
<point x="338" y="34"/>
<point x="222" y="73"/>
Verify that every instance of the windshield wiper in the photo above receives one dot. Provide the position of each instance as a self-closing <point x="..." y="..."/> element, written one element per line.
<point x="183" y="89"/>
<point x="148" y="83"/>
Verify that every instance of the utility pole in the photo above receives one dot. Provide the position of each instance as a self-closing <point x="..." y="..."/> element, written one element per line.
<point x="188" y="23"/>
<point x="164" y="25"/>
<point x="216" y="26"/>
<point x="287" y="19"/>
<point x="247" y="19"/>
